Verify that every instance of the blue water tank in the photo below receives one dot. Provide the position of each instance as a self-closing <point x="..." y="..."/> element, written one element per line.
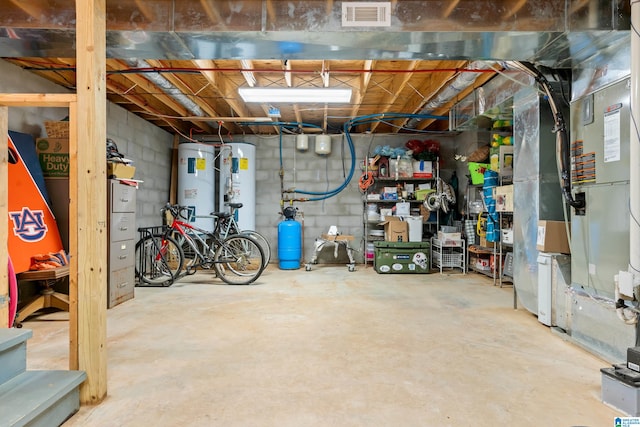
<point x="289" y="244"/>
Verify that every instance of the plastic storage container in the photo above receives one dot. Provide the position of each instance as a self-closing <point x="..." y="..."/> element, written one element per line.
<point x="402" y="257"/>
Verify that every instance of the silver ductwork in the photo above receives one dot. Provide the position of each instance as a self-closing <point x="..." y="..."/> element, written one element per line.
<point x="167" y="87"/>
<point x="549" y="32"/>
<point x="452" y="90"/>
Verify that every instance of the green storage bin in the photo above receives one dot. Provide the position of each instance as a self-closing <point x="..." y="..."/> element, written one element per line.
<point x="402" y="257"/>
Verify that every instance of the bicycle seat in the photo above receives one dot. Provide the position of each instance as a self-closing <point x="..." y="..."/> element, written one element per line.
<point x="221" y="215"/>
<point x="234" y="205"/>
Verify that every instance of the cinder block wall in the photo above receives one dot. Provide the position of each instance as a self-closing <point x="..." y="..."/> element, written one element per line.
<point x="150" y="149"/>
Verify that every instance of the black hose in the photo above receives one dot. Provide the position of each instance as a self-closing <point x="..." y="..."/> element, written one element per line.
<point x="561" y="130"/>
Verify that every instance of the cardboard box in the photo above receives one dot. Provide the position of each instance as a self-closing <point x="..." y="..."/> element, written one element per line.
<point x="484" y="243"/>
<point x="53" y="154"/>
<point x="395" y="230"/>
<point x="120" y="170"/>
<point x="552" y="237"/>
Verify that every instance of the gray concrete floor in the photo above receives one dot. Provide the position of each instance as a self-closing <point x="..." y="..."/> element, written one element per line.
<point x="330" y="347"/>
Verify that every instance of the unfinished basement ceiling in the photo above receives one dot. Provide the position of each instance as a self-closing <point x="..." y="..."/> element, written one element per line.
<point x="179" y="63"/>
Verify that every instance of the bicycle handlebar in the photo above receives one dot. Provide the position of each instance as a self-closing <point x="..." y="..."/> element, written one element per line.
<point x="176" y="210"/>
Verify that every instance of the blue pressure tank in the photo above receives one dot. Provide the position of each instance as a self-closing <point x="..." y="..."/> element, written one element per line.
<point x="289" y="242"/>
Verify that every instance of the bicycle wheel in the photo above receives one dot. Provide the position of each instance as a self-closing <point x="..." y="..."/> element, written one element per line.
<point x="159" y="260"/>
<point x="262" y="241"/>
<point x="191" y="259"/>
<point x="239" y="260"/>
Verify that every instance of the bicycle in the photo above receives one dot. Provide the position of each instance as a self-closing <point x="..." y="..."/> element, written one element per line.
<point x="227" y="225"/>
<point x="237" y="259"/>
<point x="159" y="258"/>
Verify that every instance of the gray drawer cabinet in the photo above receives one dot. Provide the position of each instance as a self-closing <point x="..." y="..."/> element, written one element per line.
<point x="121" y="208"/>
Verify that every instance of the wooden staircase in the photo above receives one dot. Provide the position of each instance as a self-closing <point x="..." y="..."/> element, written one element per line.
<point x="33" y="398"/>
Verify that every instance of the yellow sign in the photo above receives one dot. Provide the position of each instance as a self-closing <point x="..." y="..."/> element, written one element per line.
<point x="201" y="164"/>
<point x="244" y="164"/>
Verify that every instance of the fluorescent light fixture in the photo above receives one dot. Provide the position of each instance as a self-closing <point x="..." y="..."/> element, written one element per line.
<point x="294" y="95"/>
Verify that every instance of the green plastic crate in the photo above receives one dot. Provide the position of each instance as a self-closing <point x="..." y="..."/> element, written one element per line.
<point x="402" y="257"/>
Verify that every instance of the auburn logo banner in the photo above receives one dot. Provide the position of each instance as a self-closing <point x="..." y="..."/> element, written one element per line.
<point x="32" y="226"/>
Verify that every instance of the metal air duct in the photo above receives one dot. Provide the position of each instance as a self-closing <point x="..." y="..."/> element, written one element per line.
<point x="460" y="83"/>
<point x="167" y="87"/>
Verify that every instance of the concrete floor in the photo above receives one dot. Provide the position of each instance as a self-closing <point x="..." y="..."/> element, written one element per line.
<point x="330" y="347"/>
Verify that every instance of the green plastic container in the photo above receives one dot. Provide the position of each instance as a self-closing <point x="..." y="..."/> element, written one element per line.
<point x="402" y="257"/>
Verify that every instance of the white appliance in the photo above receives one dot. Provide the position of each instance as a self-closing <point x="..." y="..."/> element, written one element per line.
<point x="196" y="182"/>
<point x="552" y="286"/>
<point x="238" y="181"/>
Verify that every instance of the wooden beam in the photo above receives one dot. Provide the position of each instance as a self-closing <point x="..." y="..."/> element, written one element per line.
<point x="37" y="99"/>
<point x="515" y="8"/>
<point x="450" y="7"/>
<point x="362" y="90"/>
<point x="390" y="100"/>
<point x="4" y="211"/>
<point x="90" y="193"/>
<point x="173" y="189"/>
<point x="74" y="362"/>
<point x="33" y="9"/>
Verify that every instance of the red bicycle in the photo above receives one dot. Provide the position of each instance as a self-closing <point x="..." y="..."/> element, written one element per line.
<point x="237" y="259"/>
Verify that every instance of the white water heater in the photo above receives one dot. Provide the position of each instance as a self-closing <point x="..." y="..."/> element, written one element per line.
<point x="238" y="181"/>
<point x="196" y="182"/>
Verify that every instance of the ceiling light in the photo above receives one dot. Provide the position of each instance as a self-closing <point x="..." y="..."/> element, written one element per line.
<point x="295" y="95"/>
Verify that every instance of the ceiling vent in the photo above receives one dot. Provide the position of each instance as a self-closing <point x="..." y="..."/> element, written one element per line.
<point x="366" y="14"/>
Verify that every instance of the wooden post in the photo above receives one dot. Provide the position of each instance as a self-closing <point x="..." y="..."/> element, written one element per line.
<point x="89" y="215"/>
<point x="4" y="210"/>
<point x="173" y="189"/>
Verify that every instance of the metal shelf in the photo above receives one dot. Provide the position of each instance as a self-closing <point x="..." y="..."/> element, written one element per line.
<point x="379" y="182"/>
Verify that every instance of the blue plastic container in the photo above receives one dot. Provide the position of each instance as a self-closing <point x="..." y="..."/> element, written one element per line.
<point x="289" y="244"/>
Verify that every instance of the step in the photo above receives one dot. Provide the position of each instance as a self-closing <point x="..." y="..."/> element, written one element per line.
<point x="13" y="352"/>
<point x="40" y="398"/>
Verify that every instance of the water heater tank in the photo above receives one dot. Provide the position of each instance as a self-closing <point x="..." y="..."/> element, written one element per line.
<point x="323" y="144"/>
<point x="196" y="182"/>
<point x="238" y="181"/>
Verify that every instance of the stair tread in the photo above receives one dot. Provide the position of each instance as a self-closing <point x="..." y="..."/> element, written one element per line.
<point x="10" y="337"/>
<point x="27" y="395"/>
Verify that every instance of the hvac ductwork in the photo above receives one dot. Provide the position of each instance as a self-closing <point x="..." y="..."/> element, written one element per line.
<point x="167" y="87"/>
<point x="453" y="89"/>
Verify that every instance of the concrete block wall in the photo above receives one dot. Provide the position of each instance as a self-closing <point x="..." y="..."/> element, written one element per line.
<point x="150" y="149"/>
